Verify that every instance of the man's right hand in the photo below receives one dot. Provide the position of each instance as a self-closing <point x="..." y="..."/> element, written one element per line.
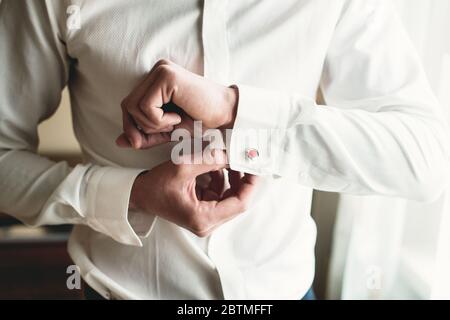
<point x="171" y="192"/>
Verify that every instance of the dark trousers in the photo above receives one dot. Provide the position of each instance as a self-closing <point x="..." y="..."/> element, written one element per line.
<point x="91" y="294"/>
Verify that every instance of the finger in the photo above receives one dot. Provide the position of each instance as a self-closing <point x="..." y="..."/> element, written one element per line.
<point x="167" y="129"/>
<point x="209" y="195"/>
<point x="131" y="102"/>
<point x="151" y="106"/>
<point x="186" y="123"/>
<point x="133" y="135"/>
<point x="137" y="93"/>
<point x="241" y="187"/>
<point x="203" y="189"/>
<point x="216" y="161"/>
<point x="246" y="188"/>
<point x="198" y="192"/>
<point x="217" y="213"/>
<point x="140" y="119"/>
<point x="169" y="119"/>
<point x="123" y="142"/>
<point x="157" y="131"/>
<point x="234" y="178"/>
<point x="217" y="181"/>
<point x="152" y="140"/>
<point x="205" y="194"/>
<point x="147" y="141"/>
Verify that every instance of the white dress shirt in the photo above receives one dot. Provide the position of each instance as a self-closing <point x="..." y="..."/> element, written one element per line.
<point x="380" y="133"/>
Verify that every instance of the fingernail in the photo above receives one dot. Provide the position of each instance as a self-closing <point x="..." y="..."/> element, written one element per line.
<point x="122" y="143"/>
<point x="136" y="144"/>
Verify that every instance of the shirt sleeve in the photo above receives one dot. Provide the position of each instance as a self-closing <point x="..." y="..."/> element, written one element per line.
<point x="34" y="68"/>
<point x="381" y="132"/>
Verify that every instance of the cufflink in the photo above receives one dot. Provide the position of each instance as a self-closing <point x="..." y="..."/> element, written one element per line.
<point x="252" y="154"/>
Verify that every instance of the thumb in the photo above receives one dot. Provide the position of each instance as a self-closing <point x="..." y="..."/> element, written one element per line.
<point x="122" y="141"/>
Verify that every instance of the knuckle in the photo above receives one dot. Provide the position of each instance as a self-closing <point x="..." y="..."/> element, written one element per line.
<point x="166" y="72"/>
<point x="163" y="62"/>
<point x="147" y="130"/>
<point x="143" y="106"/>
<point x="154" y="120"/>
<point x="124" y="104"/>
<point x="127" y="127"/>
<point x="151" y="116"/>
<point x="134" y="113"/>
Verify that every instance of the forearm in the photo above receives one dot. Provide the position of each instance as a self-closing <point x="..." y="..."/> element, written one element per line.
<point x="38" y="192"/>
<point x="27" y="181"/>
<point x="381" y="131"/>
<point x="394" y="150"/>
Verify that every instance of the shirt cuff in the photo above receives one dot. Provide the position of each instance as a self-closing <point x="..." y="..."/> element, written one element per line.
<point x="255" y="144"/>
<point x="107" y="194"/>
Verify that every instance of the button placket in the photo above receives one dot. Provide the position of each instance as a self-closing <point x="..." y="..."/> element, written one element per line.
<point x="215" y="46"/>
<point x="215" y="41"/>
<point x="231" y="278"/>
<point x="216" y="68"/>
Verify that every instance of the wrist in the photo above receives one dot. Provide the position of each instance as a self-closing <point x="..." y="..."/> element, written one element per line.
<point x="136" y="190"/>
<point x="231" y="100"/>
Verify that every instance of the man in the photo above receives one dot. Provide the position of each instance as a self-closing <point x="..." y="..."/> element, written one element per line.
<point x="240" y="65"/>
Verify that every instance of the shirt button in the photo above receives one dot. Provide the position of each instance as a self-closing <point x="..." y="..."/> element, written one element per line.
<point x="252" y="154"/>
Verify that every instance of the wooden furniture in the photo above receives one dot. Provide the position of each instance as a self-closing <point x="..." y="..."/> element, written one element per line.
<point x="35" y="268"/>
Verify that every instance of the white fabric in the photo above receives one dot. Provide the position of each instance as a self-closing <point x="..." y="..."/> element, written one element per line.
<point x="387" y="248"/>
<point x="382" y="132"/>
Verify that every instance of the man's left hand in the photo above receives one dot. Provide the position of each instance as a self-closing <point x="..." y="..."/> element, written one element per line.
<point x="145" y="123"/>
